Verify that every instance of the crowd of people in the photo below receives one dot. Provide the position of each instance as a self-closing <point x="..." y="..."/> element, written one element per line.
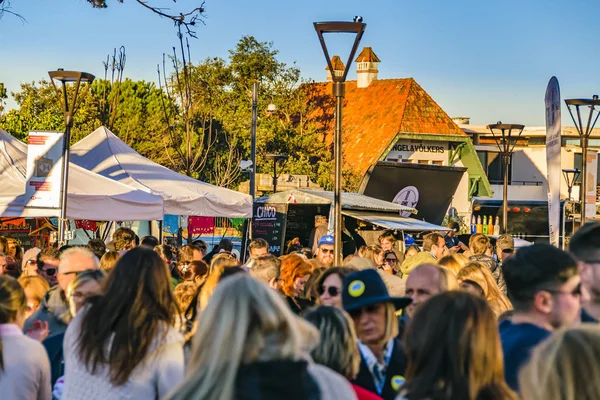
<point x="137" y="319"/>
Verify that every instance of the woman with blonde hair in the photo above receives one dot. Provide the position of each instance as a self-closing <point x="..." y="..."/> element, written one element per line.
<point x="477" y="279"/>
<point x="564" y="367"/>
<point x="338" y="347"/>
<point x="375" y="254"/>
<point x="453" y="349"/>
<point x="109" y="260"/>
<point x="35" y="288"/>
<point x="249" y="344"/>
<point x="295" y="271"/>
<point x="454" y="262"/>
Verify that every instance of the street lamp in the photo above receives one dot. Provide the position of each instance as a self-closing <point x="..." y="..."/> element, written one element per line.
<point x="357" y="27"/>
<point x="571" y="176"/>
<point x="253" y="140"/>
<point x="275" y="158"/>
<point x="584" y="132"/>
<point x="506" y="140"/>
<point x="74" y="78"/>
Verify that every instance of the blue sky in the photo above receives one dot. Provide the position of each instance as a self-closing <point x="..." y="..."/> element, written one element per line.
<point x="488" y="60"/>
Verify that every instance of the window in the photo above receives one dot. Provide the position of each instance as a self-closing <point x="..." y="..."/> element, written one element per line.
<point x="493" y="167"/>
<point x="438" y="162"/>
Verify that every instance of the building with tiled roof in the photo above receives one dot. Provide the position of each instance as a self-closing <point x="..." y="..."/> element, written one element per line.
<point x="396" y="120"/>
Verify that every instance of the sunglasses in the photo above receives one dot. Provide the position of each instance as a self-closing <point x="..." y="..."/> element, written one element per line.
<point x="370" y="309"/>
<point x="332" y="290"/>
<point x="391" y="260"/>
<point x="326" y="251"/>
<point x="52" y="271"/>
<point x="575" y="292"/>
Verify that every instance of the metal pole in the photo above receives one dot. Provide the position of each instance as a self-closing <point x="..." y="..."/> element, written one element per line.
<point x="339" y="89"/>
<point x="564" y="216"/>
<point x="253" y="140"/>
<point x="62" y="225"/>
<point x="275" y="175"/>
<point x="506" y="158"/>
<point x="584" y="150"/>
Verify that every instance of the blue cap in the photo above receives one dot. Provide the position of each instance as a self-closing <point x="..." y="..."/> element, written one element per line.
<point x="408" y="240"/>
<point x="327" y="239"/>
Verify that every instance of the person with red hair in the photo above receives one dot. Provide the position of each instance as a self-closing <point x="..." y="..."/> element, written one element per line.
<point x="294" y="273"/>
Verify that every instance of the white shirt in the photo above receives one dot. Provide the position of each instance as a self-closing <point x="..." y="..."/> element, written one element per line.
<point x="26" y="374"/>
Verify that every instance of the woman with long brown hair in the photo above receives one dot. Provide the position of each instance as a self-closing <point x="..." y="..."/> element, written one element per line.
<point x="477" y="279"/>
<point x="123" y="344"/>
<point x="454" y="352"/>
<point x="295" y="272"/>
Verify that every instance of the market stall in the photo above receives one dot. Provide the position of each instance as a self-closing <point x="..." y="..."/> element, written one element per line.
<point x="104" y="153"/>
<point x="90" y="196"/>
<point x="283" y="216"/>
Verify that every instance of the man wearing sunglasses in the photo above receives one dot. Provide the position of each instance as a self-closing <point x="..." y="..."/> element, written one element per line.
<point x="544" y="286"/>
<point x="585" y="246"/>
<point x="325" y="251"/>
<point x="47" y="264"/>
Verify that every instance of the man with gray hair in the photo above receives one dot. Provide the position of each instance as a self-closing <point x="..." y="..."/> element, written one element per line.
<point x="55" y="304"/>
<point x="266" y="269"/>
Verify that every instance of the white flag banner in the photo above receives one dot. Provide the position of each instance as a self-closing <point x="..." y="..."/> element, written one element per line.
<point x="44" y="169"/>
<point x="553" y="145"/>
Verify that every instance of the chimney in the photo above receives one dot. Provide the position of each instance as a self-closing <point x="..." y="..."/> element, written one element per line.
<point x="366" y="70"/>
<point x="338" y="68"/>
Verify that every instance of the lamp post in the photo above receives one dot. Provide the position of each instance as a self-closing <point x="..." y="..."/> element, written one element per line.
<point x="253" y="141"/>
<point x="584" y="132"/>
<point x="74" y="78"/>
<point x="506" y="136"/>
<point x="571" y="176"/>
<point x="275" y="158"/>
<point x="357" y="27"/>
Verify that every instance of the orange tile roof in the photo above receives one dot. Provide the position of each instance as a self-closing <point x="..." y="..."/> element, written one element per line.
<point x="367" y="55"/>
<point x="374" y="115"/>
<point x="337" y="64"/>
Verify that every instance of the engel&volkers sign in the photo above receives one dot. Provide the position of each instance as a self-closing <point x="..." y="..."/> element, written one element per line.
<point x="418" y="150"/>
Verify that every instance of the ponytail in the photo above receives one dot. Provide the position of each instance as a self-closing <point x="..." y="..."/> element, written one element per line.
<point x="12" y="301"/>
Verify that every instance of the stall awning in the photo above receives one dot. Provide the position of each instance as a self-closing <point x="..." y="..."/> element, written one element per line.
<point x="393" y="221"/>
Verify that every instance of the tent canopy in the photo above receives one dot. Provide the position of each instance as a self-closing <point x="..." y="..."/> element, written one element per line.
<point x="394" y="221"/>
<point x="104" y="153"/>
<point x="90" y="196"/>
<point x="350" y="201"/>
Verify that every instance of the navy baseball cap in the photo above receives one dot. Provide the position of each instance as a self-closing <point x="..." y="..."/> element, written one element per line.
<point x="327" y="239"/>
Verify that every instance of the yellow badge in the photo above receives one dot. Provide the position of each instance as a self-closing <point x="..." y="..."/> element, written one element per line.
<point x="397" y="381"/>
<point x="356" y="288"/>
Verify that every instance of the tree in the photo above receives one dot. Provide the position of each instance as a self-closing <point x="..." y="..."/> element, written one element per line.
<point x="3" y="97"/>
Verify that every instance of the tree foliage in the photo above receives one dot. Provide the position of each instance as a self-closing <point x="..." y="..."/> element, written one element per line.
<point x="201" y="112"/>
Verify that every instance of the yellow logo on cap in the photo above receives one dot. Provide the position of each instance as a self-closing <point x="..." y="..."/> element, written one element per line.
<point x="397" y="381"/>
<point x="356" y="288"/>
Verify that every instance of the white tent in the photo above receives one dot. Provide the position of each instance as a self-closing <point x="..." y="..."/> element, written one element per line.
<point x="90" y="196"/>
<point x="104" y="153"/>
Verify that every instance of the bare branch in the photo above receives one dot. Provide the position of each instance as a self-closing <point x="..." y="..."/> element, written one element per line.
<point x="195" y="15"/>
<point x="5" y="8"/>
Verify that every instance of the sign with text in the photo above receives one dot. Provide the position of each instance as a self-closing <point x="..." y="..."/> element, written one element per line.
<point x="553" y="145"/>
<point x="268" y="222"/>
<point x="419" y="150"/>
<point x="592" y="183"/>
<point x="44" y="169"/>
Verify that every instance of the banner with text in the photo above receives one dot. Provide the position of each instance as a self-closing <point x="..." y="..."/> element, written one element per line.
<point x="44" y="169"/>
<point x="553" y="145"/>
<point x="592" y="184"/>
